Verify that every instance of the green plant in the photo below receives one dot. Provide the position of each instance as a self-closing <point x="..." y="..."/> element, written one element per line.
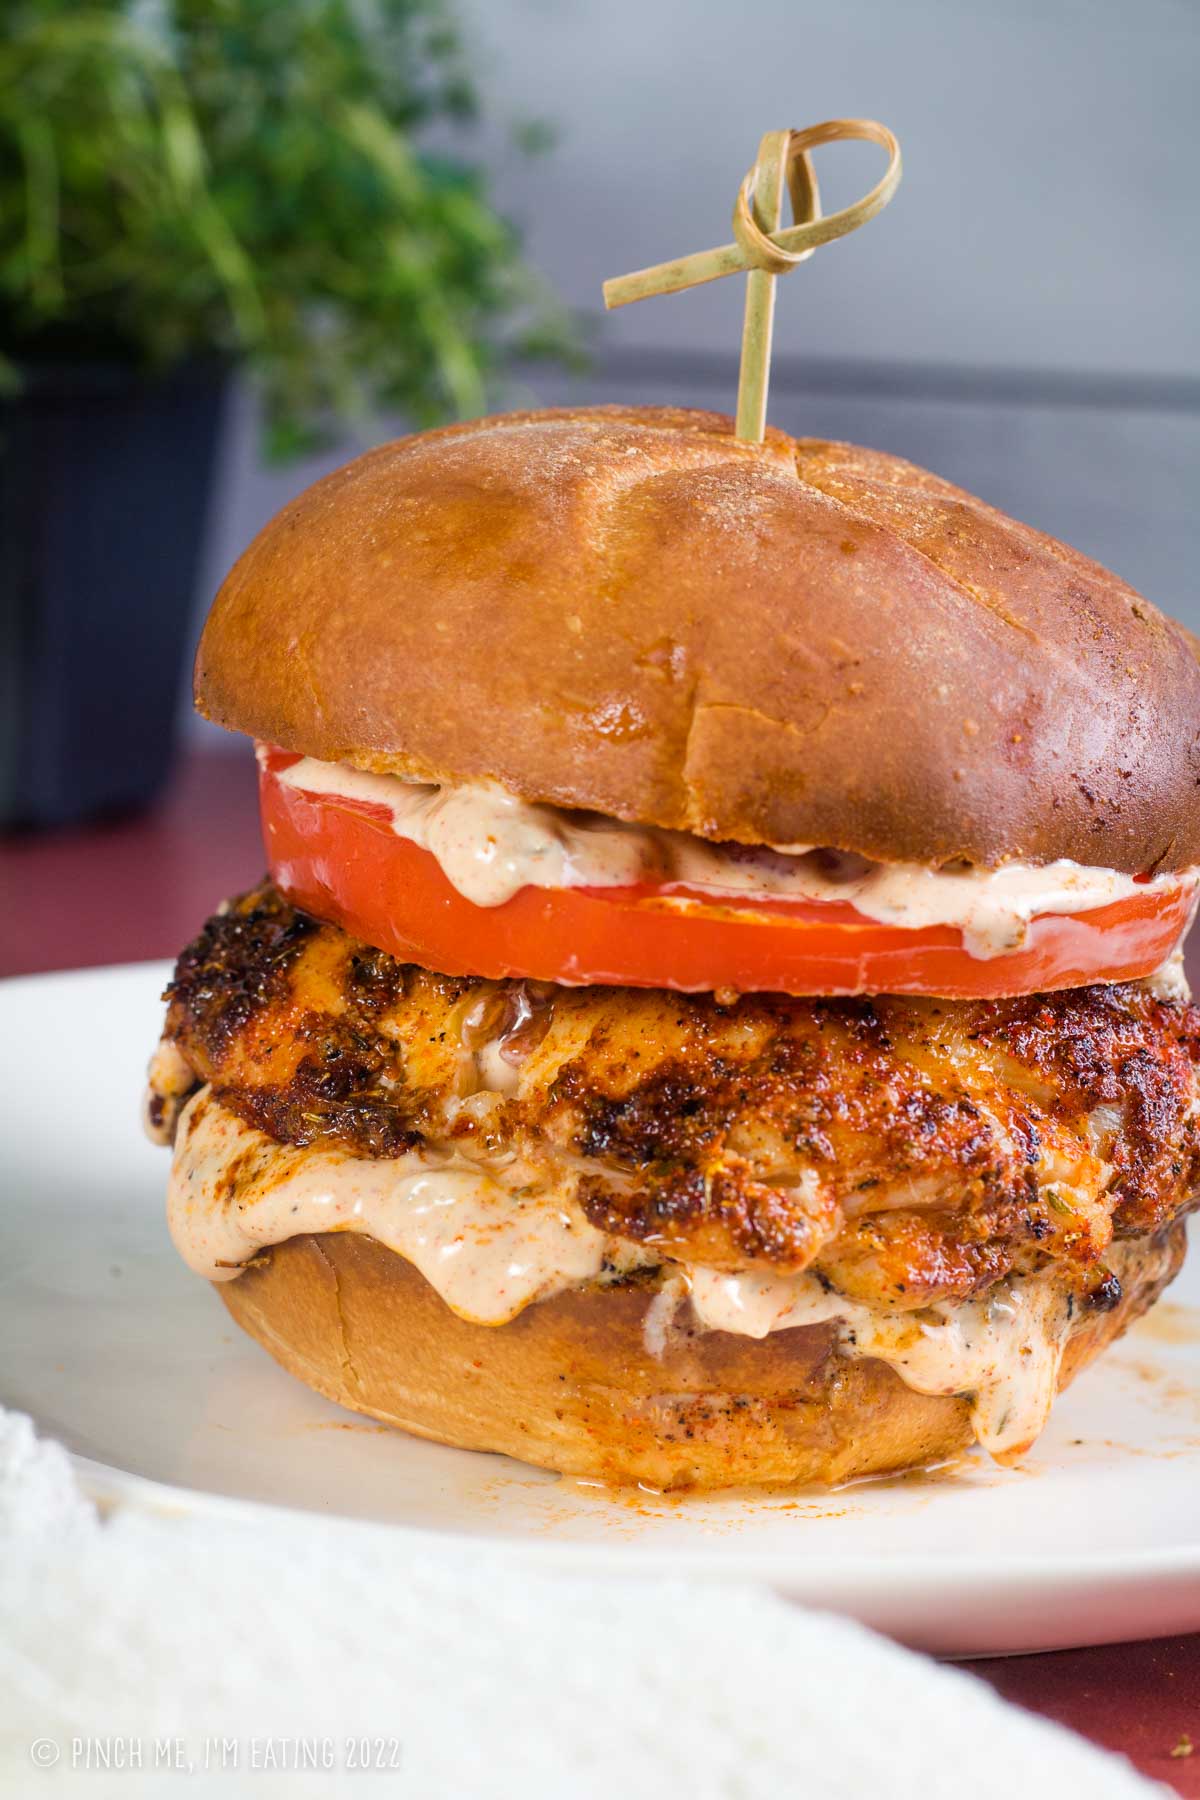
<point x="255" y="179"/>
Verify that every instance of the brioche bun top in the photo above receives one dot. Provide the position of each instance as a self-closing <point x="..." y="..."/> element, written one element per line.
<point x="795" y="642"/>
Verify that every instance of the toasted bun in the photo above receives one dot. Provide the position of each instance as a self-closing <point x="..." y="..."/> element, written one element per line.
<point x="569" y="1383"/>
<point x="794" y="642"/>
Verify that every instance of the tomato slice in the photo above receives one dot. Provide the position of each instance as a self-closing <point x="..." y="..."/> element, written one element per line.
<point x="341" y="860"/>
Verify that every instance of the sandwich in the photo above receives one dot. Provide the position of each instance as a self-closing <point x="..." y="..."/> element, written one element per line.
<point x="715" y="1011"/>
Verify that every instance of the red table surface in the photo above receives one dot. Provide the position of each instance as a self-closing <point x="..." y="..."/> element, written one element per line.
<point x="139" y="887"/>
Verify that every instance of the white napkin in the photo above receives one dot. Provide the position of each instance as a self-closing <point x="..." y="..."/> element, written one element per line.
<point x="251" y="1642"/>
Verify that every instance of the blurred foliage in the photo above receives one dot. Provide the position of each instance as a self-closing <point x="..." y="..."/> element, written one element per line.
<point x="272" y="181"/>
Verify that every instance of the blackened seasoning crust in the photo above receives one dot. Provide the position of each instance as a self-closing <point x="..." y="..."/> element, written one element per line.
<point x="907" y="1150"/>
<point x="238" y="965"/>
<point x="234" y="987"/>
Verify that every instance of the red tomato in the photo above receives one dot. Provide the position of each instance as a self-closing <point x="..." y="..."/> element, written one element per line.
<point x="341" y="860"/>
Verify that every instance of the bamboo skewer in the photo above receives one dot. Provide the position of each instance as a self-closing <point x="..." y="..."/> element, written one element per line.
<point x="766" y="207"/>
<point x="762" y="250"/>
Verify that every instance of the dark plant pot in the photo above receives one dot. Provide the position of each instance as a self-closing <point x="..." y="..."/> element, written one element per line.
<point x="104" y="485"/>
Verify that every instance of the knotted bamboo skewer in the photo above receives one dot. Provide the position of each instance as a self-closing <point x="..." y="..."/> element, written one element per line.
<point x="762" y="250"/>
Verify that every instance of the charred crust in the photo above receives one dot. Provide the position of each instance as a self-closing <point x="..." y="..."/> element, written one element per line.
<point x="340" y="1068"/>
<point x="724" y="1214"/>
<point x="673" y="1115"/>
<point x="1122" y="1047"/>
<point x="238" y="965"/>
<point x="300" y="1115"/>
<point x="1104" y="1295"/>
<point x="902" y="1149"/>
<point x="689" y="1112"/>
<point x="374" y="980"/>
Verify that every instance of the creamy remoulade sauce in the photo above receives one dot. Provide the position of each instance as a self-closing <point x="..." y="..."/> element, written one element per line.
<point x="490" y="1241"/>
<point x="487" y="1238"/>
<point x="489" y="845"/>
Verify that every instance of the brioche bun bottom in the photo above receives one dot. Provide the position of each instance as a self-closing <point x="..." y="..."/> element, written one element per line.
<point x="570" y="1385"/>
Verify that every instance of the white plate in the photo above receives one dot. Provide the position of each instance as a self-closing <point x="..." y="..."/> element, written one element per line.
<point x="114" y="1348"/>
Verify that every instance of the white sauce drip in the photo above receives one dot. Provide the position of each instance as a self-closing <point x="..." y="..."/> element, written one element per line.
<point x="490" y="845"/>
<point x="482" y="1238"/>
<point x="1169" y="982"/>
<point x="1004" y="1349"/>
<point x="490" y="1241"/>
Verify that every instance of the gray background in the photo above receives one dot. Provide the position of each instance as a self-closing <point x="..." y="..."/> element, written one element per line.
<point x="1023" y="318"/>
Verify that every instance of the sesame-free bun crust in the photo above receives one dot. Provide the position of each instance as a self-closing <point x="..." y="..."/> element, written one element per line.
<point x="570" y="1384"/>
<point x="797" y="642"/>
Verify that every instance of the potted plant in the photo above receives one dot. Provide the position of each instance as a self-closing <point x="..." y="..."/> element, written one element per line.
<point x="188" y="188"/>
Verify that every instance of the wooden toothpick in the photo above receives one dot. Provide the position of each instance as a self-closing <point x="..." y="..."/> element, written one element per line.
<point x="762" y="250"/>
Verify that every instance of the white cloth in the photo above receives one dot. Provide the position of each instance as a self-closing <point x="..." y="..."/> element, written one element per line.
<point x="250" y="1638"/>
